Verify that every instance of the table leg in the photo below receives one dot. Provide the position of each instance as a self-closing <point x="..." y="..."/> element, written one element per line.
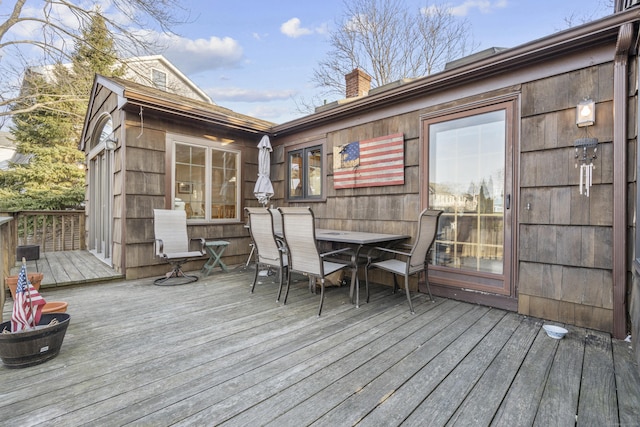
<point x="215" y="251"/>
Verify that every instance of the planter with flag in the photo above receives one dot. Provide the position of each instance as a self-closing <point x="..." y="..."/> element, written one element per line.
<point x="27" y="305"/>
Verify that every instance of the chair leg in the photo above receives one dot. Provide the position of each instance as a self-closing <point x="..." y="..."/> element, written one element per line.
<point x="176" y="271"/>
<point x="286" y="292"/>
<point x="366" y="281"/>
<point x="321" y="295"/>
<point x="255" y="277"/>
<point x="426" y="280"/>
<point x="355" y="282"/>
<point x="406" y="287"/>
<point x="281" y="281"/>
<point x="395" y="284"/>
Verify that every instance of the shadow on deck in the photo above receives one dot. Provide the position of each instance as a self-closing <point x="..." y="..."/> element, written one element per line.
<point x="69" y="268"/>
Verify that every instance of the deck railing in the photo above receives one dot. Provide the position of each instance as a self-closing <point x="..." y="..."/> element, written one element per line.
<point x="50" y="230"/>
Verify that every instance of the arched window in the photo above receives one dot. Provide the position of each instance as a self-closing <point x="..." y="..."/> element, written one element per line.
<point x="103" y="130"/>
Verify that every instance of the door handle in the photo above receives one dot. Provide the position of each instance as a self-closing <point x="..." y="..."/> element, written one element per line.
<point x="507" y="203"/>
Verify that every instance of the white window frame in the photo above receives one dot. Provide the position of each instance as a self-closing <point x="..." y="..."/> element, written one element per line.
<point x="210" y="146"/>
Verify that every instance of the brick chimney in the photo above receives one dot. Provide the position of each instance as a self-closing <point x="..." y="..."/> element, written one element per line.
<point x="358" y="83"/>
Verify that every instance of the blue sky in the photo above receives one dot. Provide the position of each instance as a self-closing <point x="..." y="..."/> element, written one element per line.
<point x="257" y="57"/>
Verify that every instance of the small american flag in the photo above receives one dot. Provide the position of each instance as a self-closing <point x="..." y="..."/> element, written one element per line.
<point x="379" y="161"/>
<point x="27" y="306"/>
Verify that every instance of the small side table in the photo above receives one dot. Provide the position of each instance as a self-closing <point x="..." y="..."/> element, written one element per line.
<point x="215" y="249"/>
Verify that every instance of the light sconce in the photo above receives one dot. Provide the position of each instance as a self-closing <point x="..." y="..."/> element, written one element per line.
<point x="110" y="143"/>
<point x="586" y="113"/>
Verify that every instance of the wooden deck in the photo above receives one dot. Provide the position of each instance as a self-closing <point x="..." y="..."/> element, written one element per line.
<point x="69" y="268"/>
<point x="210" y="353"/>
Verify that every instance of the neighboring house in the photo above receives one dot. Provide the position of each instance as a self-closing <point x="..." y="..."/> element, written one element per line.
<point x="8" y="154"/>
<point x="492" y="142"/>
<point x="154" y="71"/>
<point x="7" y="149"/>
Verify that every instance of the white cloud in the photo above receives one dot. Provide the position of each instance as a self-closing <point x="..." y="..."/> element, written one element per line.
<point x="484" y="6"/>
<point x="292" y="28"/>
<point x="273" y="113"/>
<point x="235" y="94"/>
<point x="259" y="36"/>
<point x="193" y="56"/>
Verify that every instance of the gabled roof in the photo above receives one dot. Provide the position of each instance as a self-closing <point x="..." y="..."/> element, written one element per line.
<point x="132" y="94"/>
<point x="174" y="70"/>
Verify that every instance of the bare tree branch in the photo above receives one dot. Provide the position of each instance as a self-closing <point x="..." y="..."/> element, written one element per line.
<point x="390" y="42"/>
<point x="57" y="27"/>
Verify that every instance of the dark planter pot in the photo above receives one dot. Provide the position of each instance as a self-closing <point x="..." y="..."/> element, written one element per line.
<point x="32" y="347"/>
<point x="28" y="252"/>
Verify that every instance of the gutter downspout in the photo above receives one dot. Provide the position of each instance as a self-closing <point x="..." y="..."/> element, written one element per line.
<point x="620" y="123"/>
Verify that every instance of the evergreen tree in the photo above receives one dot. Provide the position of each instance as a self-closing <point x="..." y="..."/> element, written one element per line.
<point x="55" y="176"/>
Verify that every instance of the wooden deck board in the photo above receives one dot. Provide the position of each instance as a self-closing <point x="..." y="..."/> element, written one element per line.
<point x="440" y="405"/>
<point x="598" y="404"/>
<point x="211" y="353"/>
<point x="627" y="383"/>
<point x="481" y="404"/>
<point x="68" y="268"/>
<point x="395" y="390"/>
<point x="559" y="403"/>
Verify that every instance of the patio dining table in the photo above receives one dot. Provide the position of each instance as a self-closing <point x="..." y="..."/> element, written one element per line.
<point x="359" y="239"/>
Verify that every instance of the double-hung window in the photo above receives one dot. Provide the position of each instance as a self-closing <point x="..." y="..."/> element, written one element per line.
<point x="205" y="179"/>
<point x="305" y="172"/>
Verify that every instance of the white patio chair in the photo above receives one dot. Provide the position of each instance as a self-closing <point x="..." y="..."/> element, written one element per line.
<point x="413" y="260"/>
<point x="270" y="250"/>
<point x="173" y="245"/>
<point x="304" y="256"/>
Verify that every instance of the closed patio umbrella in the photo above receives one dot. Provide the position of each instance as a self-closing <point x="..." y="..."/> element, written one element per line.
<point x="263" y="189"/>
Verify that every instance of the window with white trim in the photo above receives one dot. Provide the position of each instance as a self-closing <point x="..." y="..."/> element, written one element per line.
<point x="205" y="179"/>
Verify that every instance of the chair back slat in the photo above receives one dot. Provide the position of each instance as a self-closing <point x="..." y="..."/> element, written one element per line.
<point x="261" y="229"/>
<point x="277" y="221"/>
<point x="299" y="235"/>
<point x="170" y="226"/>
<point x="427" y="228"/>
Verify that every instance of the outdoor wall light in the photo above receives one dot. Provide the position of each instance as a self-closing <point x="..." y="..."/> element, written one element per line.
<point x="587" y="147"/>
<point x="110" y="143"/>
<point x="586" y="113"/>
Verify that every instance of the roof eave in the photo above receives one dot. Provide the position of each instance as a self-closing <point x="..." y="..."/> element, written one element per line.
<point x="138" y="99"/>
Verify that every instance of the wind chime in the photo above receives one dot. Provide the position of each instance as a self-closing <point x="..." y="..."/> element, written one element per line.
<point x="587" y="147"/>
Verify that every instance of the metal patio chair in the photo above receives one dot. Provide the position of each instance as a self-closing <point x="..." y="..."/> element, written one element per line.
<point x="270" y="249"/>
<point x="173" y="245"/>
<point x="304" y="256"/>
<point x="411" y="260"/>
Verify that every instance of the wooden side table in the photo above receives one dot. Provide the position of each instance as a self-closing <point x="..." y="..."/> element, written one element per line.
<point x="215" y="249"/>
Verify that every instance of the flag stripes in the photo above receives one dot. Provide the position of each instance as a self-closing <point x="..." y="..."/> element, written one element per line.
<point x="381" y="162"/>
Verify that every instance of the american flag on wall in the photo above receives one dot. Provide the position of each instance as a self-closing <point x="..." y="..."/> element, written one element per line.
<point x="369" y="163"/>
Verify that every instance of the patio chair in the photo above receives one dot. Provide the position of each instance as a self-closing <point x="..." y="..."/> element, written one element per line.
<point x="172" y="244"/>
<point x="411" y="260"/>
<point x="304" y="256"/>
<point x="270" y="250"/>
